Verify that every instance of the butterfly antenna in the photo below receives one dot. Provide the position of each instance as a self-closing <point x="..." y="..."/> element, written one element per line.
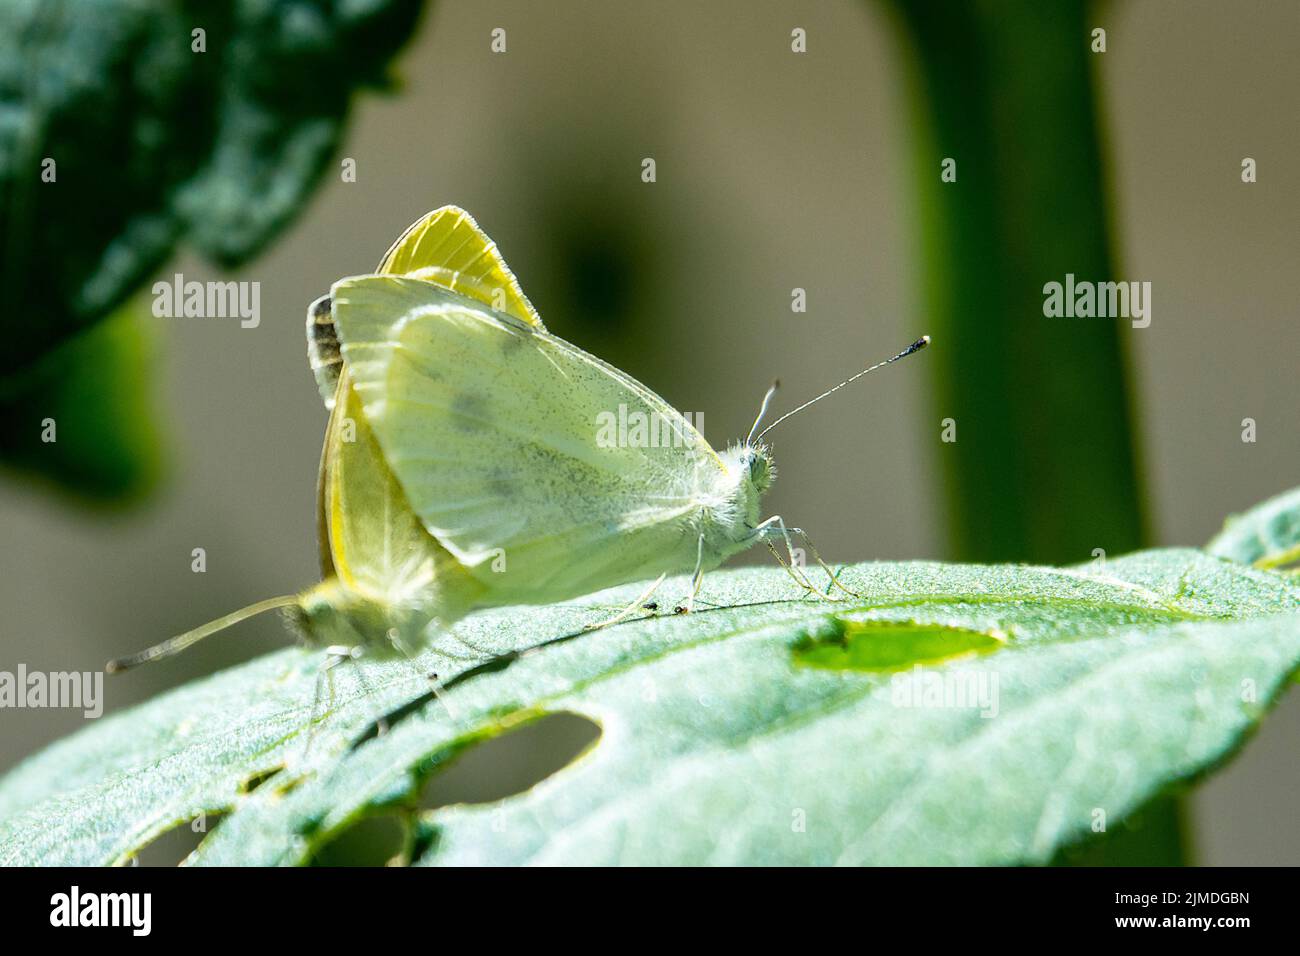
<point x="181" y="641"/>
<point x="916" y="346"/>
<point x="767" y="400"/>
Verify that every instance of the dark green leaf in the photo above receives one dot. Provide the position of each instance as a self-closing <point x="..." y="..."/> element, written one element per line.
<point x="154" y="143"/>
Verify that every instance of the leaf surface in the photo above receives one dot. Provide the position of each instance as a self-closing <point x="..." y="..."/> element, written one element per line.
<point x="775" y="728"/>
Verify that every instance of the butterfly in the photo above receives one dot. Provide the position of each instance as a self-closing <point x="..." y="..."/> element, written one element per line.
<point x="463" y="466"/>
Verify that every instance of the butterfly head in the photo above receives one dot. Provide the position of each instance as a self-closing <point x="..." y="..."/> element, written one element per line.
<point x="757" y="461"/>
<point x="752" y="465"/>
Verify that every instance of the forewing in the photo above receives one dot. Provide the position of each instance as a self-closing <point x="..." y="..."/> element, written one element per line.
<point x="493" y="430"/>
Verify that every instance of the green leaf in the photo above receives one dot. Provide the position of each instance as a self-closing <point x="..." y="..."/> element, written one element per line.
<point x="119" y="140"/>
<point x="95" y="391"/>
<point x="1267" y="536"/>
<point x="754" y="732"/>
<point x="154" y="142"/>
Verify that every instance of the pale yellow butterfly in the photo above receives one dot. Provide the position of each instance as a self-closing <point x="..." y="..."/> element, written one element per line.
<point x="464" y="465"/>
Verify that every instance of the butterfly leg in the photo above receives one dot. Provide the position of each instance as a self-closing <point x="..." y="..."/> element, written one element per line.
<point x="334" y="656"/>
<point x="832" y="575"/>
<point x="381" y="723"/>
<point x="435" y="686"/>
<point x="774" y="526"/>
<point x="795" y="575"/>
<point x="696" y="579"/>
<point x="631" y="609"/>
<point x="435" y="683"/>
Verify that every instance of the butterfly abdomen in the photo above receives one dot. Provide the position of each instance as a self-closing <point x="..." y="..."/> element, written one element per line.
<point x="331" y="614"/>
<point x="323" y="349"/>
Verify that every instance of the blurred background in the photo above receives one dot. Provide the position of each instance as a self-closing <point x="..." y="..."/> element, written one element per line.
<point x="775" y="170"/>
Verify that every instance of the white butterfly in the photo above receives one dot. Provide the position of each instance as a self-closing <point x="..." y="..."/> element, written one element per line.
<point x="463" y="468"/>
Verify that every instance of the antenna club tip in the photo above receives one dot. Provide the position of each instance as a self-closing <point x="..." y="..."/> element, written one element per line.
<point x="923" y="341"/>
<point x="114" y="667"/>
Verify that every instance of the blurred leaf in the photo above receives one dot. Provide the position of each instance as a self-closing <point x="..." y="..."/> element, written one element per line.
<point x="96" y="392"/>
<point x="155" y="144"/>
<point x="721" y="742"/>
<point x="1267" y="536"/>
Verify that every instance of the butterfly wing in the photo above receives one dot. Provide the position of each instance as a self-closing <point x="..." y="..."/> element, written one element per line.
<point x="377" y="544"/>
<point x="445" y="247"/>
<point x="493" y="429"/>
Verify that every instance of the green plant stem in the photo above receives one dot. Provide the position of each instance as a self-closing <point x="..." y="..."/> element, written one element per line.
<point x="1044" y="466"/>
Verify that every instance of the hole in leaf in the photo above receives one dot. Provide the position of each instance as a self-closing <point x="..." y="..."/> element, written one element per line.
<point x="255" y="780"/>
<point x="882" y="646"/>
<point x="425" y="836"/>
<point x="511" y="762"/>
<point x="372" y="841"/>
<point x="171" y="848"/>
